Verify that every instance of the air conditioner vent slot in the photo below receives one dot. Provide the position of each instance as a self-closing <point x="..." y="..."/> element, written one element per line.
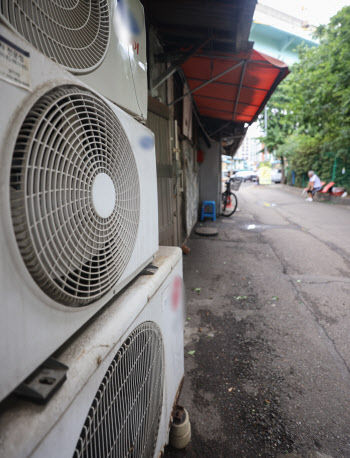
<point x="124" y="416"/>
<point x="74" y="33"/>
<point x="75" y="195"/>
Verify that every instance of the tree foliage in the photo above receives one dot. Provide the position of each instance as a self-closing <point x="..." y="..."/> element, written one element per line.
<point x="309" y="113"/>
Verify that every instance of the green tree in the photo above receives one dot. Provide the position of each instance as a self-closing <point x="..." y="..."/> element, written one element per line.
<point x="309" y="114"/>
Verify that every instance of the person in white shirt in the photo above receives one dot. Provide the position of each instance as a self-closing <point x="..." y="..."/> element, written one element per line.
<point x="314" y="185"/>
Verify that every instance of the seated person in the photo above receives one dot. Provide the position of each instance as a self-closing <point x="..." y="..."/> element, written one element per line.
<point x="314" y="185"/>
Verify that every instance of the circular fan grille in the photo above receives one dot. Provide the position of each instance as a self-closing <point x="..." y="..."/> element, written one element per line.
<point x="70" y="147"/>
<point x="74" y="33"/>
<point x="124" y="416"/>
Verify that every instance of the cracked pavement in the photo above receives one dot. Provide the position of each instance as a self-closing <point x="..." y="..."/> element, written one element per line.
<point x="270" y="328"/>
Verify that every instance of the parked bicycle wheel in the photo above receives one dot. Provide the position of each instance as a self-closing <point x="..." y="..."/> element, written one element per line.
<point x="228" y="203"/>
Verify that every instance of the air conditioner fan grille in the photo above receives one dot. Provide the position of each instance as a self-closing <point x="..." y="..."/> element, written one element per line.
<point x="74" y="33"/>
<point x="70" y="139"/>
<point x="124" y="416"/>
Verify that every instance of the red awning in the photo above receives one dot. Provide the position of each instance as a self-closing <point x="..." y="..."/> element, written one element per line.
<point x="233" y="87"/>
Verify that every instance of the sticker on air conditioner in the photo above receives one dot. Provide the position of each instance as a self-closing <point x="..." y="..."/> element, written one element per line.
<point x="14" y="64"/>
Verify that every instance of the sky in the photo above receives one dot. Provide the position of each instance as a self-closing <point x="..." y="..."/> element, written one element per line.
<point x="315" y="11"/>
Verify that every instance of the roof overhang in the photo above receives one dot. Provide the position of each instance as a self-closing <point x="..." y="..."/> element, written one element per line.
<point x="208" y="42"/>
<point x="233" y="87"/>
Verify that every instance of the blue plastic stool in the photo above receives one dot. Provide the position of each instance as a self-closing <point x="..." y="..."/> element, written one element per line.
<point x="211" y="213"/>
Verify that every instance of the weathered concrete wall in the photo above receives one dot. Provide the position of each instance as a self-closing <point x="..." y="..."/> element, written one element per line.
<point x="191" y="185"/>
<point x="156" y="69"/>
<point x="209" y="174"/>
<point x="186" y="202"/>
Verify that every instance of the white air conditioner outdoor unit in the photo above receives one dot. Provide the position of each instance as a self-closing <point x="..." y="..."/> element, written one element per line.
<point x="78" y="205"/>
<point x="101" y="41"/>
<point x="125" y="373"/>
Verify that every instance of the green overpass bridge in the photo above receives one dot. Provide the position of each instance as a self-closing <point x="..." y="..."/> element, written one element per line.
<point x="278" y="34"/>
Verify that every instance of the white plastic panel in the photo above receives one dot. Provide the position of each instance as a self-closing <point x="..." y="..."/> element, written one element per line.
<point x="122" y="76"/>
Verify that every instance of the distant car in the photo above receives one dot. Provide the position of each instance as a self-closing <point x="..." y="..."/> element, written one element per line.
<point x="245" y="175"/>
<point x="276" y="175"/>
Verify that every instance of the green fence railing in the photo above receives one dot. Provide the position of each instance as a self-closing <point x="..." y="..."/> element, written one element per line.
<point x="336" y="169"/>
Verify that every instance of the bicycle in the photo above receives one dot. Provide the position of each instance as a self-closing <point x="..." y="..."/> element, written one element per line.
<point x="228" y="198"/>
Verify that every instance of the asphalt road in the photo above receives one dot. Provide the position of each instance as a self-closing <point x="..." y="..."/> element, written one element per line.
<point x="270" y="330"/>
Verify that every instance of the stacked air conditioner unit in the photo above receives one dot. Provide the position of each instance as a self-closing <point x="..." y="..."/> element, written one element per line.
<point x="103" y="42"/>
<point x="125" y="369"/>
<point x="78" y="201"/>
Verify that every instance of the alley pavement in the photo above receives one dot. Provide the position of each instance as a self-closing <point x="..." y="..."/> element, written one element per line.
<point x="267" y="333"/>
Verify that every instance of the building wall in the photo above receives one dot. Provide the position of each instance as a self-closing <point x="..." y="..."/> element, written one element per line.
<point x="177" y="168"/>
<point x="209" y="174"/>
<point x="190" y="185"/>
<point x="158" y="122"/>
<point x="155" y="68"/>
<point x="247" y="155"/>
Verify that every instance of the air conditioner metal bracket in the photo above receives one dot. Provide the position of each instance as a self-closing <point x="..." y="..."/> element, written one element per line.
<point x="151" y="269"/>
<point x="40" y="386"/>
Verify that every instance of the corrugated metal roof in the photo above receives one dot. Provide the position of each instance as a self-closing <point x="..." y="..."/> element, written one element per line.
<point x="182" y="22"/>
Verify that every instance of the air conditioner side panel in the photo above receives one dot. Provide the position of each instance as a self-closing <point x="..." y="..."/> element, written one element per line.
<point x="142" y="143"/>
